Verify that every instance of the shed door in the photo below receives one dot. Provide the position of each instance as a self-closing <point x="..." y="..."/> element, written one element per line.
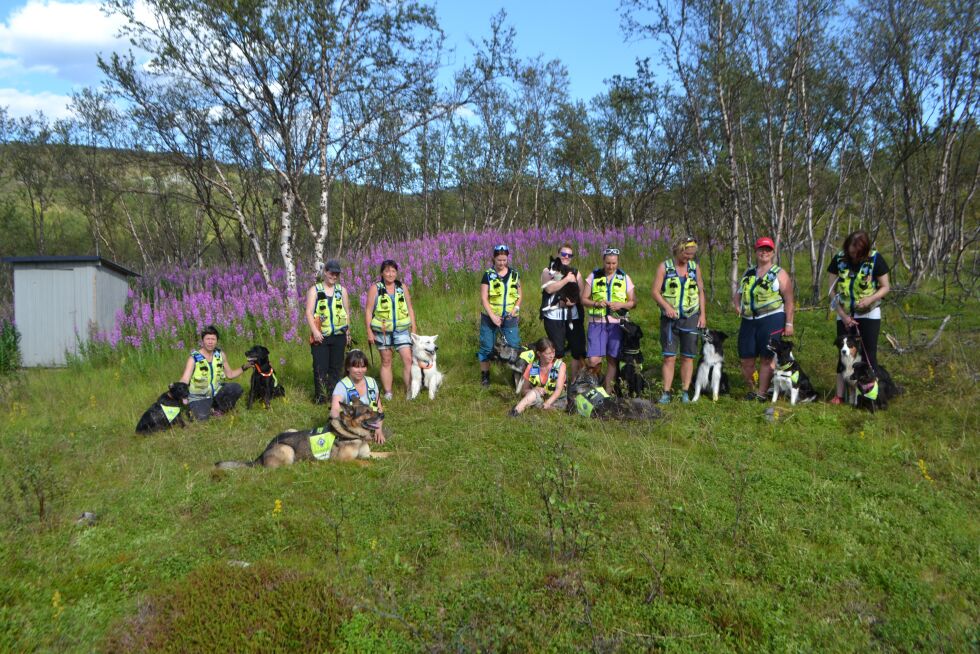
<point x="48" y="316"/>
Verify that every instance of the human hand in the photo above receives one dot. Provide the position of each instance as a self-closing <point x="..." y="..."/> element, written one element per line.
<point x="788" y="329"/>
<point x="702" y="321"/>
<point x="570" y="277"/>
<point x="671" y="313"/>
<point x="350" y="337"/>
<point x="379" y="436"/>
<point x="317" y="336"/>
<point x="496" y="320"/>
<point x="370" y="336"/>
<point x="862" y="304"/>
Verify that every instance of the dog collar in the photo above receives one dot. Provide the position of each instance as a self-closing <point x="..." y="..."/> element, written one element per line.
<point x="265" y="374"/>
<point x="786" y="366"/>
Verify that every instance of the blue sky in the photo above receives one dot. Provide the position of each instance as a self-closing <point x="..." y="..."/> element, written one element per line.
<point x="48" y="47"/>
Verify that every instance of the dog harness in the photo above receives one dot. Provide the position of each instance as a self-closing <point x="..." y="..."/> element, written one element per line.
<point x="681" y="292"/>
<point x="534" y="377"/>
<point x="586" y="403"/>
<point x="853" y="286"/>
<point x="354" y="396"/>
<point x="208" y="376"/>
<point x="870" y="392"/>
<point x="502" y="288"/>
<point x="330" y="310"/>
<point x="760" y="295"/>
<point x="383" y="319"/>
<point x="170" y="411"/>
<point x="794" y="376"/>
<point x="613" y="290"/>
<point x="321" y="442"/>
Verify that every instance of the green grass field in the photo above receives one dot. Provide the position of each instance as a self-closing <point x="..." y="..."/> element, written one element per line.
<point x="712" y="530"/>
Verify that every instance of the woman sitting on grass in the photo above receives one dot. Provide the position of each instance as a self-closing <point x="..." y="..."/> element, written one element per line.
<point x="205" y="372"/>
<point x="357" y="386"/>
<point x="545" y="378"/>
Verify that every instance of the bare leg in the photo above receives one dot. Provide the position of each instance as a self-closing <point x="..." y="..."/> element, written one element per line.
<point x="612" y="367"/>
<point x="529" y="398"/>
<point x="766" y="371"/>
<point x="484" y="366"/>
<point x="687" y="372"/>
<point x="840" y="385"/>
<point x="595" y="365"/>
<point x="406" y="353"/>
<point x="386" y="375"/>
<point x="575" y="367"/>
<point x="748" y="368"/>
<point x="667" y="372"/>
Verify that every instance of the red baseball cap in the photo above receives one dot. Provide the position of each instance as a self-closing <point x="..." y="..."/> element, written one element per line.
<point x="765" y="242"/>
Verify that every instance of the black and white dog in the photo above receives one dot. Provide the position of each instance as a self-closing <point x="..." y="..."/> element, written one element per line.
<point x="569" y="292"/>
<point x="711" y="375"/>
<point x="630" y="361"/>
<point x="849" y="348"/>
<point x="789" y="377"/>
<point x="265" y="385"/>
<point x="166" y="411"/>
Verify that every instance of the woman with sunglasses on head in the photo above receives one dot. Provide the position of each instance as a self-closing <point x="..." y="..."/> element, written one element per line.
<point x="500" y="297"/>
<point x="390" y="322"/>
<point x="357" y="387"/>
<point x="607" y="291"/>
<point x="327" y="311"/>
<point x="679" y="291"/>
<point x="564" y="319"/>
<point x="764" y="299"/>
<point x="858" y="282"/>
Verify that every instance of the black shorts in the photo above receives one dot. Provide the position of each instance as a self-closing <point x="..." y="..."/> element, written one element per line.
<point x="754" y="335"/>
<point x="680" y="333"/>
<point x="571" y="332"/>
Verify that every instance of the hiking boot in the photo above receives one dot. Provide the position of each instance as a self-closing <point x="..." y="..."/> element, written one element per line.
<point x="513" y="413"/>
<point x="752" y="395"/>
<point x="685" y="398"/>
<point x="665" y="398"/>
<point x="485" y="379"/>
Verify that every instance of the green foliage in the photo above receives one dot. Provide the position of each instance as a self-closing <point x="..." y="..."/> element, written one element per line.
<point x="9" y="347"/>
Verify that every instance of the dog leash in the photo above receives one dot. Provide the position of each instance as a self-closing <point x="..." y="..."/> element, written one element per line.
<point x="857" y="330"/>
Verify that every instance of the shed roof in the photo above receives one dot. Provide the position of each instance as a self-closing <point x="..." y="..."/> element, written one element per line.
<point x="111" y="265"/>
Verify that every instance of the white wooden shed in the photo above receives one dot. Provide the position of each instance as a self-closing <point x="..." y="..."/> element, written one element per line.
<point x="57" y="300"/>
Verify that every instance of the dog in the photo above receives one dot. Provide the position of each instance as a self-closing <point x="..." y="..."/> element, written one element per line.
<point x="345" y="438"/>
<point x="711" y="374"/>
<point x="849" y="347"/>
<point x="167" y="411"/>
<point x="588" y="398"/>
<point x="789" y="377"/>
<point x="424" y="371"/>
<point x="569" y="292"/>
<point x="514" y="358"/>
<point x="630" y="372"/>
<point x="265" y="385"/>
<point x="874" y="389"/>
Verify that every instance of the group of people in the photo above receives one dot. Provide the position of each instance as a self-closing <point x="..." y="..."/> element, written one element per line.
<point x="587" y="324"/>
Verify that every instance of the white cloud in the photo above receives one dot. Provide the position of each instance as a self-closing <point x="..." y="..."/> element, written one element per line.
<point x="59" y="37"/>
<point x="19" y="103"/>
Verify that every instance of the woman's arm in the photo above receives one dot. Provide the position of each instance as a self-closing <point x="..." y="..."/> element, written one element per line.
<point x="188" y="371"/>
<point x="884" y="287"/>
<point x="786" y="290"/>
<point x="310" y="319"/>
<point x="703" y="303"/>
<point x="372" y="297"/>
<point x="345" y="300"/>
<point x="657" y="292"/>
<point x="335" y="402"/>
<point x="559" y="389"/>
<point x="485" y="301"/>
<point x="411" y="309"/>
<point x="232" y="373"/>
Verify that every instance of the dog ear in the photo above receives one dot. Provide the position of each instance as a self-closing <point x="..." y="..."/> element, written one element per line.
<point x="415" y="338"/>
<point x="722" y="335"/>
<point x="435" y="337"/>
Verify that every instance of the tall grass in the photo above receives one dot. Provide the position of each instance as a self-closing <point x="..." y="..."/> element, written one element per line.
<point x="9" y="347"/>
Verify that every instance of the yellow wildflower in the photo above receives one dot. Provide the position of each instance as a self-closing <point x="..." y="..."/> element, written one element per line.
<point x="925" y="473"/>
<point x="861" y="434"/>
<point x="374" y="544"/>
<point x="56" y="604"/>
<point x="932" y="372"/>
<point x="277" y="507"/>
<point x="755" y="377"/>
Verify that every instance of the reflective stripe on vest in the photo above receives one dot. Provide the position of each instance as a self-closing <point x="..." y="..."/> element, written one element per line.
<point x="586" y="403"/>
<point x="872" y="393"/>
<point x="330" y="310"/>
<point x="208" y="376"/>
<point x="535" y="376"/>
<point x="354" y="396"/>
<point x="759" y="295"/>
<point x="381" y="317"/>
<point x="611" y="291"/>
<point x="499" y="290"/>
<point x="854" y="286"/>
<point x="681" y="292"/>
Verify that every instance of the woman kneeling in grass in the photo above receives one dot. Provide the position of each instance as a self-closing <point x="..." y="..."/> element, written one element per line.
<point x="545" y="378"/>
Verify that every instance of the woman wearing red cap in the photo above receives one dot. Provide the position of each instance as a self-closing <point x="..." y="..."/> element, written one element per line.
<point x="765" y="301"/>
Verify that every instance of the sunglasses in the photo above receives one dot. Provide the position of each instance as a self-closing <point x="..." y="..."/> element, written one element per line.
<point x="690" y="242"/>
<point x="501" y="248"/>
<point x="566" y="254"/>
<point x="609" y="251"/>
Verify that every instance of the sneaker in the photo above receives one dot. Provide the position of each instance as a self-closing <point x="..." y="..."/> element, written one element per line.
<point x="388" y="395"/>
<point x="485" y="379"/>
<point x="685" y="398"/>
<point x="513" y="413"/>
<point x="665" y="398"/>
<point x="837" y="399"/>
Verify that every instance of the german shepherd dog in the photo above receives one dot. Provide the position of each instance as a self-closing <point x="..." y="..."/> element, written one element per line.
<point x="630" y="372"/>
<point x="511" y="358"/>
<point x="849" y="347"/>
<point x="607" y="407"/>
<point x="569" y="292"/>
<point x="345" y="438"/>
<point x="789" y="376"/>
<point x="265" y="385"/>
<point x="874" y="390"/>
<point x="711" y="374"/>
<point x="425" y="374"/>
<point x="167" y="411"/>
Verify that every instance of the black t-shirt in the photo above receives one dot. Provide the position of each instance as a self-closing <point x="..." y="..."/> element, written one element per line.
<point x="880" y="266"/>
<point x="503" y="279"/>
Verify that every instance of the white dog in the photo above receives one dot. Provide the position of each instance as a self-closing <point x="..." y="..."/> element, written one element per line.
<point x="424" y="371"/>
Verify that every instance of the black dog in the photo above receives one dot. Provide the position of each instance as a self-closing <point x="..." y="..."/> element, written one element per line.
<point x="587" y="398"/>
<point x="166" y="411"/>
<point x="569" y="292"/>
<point x="630" y="361"/>
<point x="873" y="390"/>
<point x="264" y="386"/>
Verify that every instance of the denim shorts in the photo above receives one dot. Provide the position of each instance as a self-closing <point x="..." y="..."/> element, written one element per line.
<point x="392" y="340"/>
<point x="488" y="334"/>
<point x="754" y="335"/>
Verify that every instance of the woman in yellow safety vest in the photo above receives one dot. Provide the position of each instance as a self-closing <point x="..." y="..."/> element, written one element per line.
<point x="357" y="387"/>
<point x="207" y="372"/>
<point x="764" y="299"/>
<point x="390" y="322"/>
<point x="858" y="282"/>
<point x="500" y="297"/>
<point x="327" y="311"/>
<point x="545" y="379"/>
<point x="607" y="291"/>
<point x="679" y="291"/>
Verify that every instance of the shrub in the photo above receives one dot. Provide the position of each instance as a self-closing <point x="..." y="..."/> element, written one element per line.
<point x="9" y="347"/>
